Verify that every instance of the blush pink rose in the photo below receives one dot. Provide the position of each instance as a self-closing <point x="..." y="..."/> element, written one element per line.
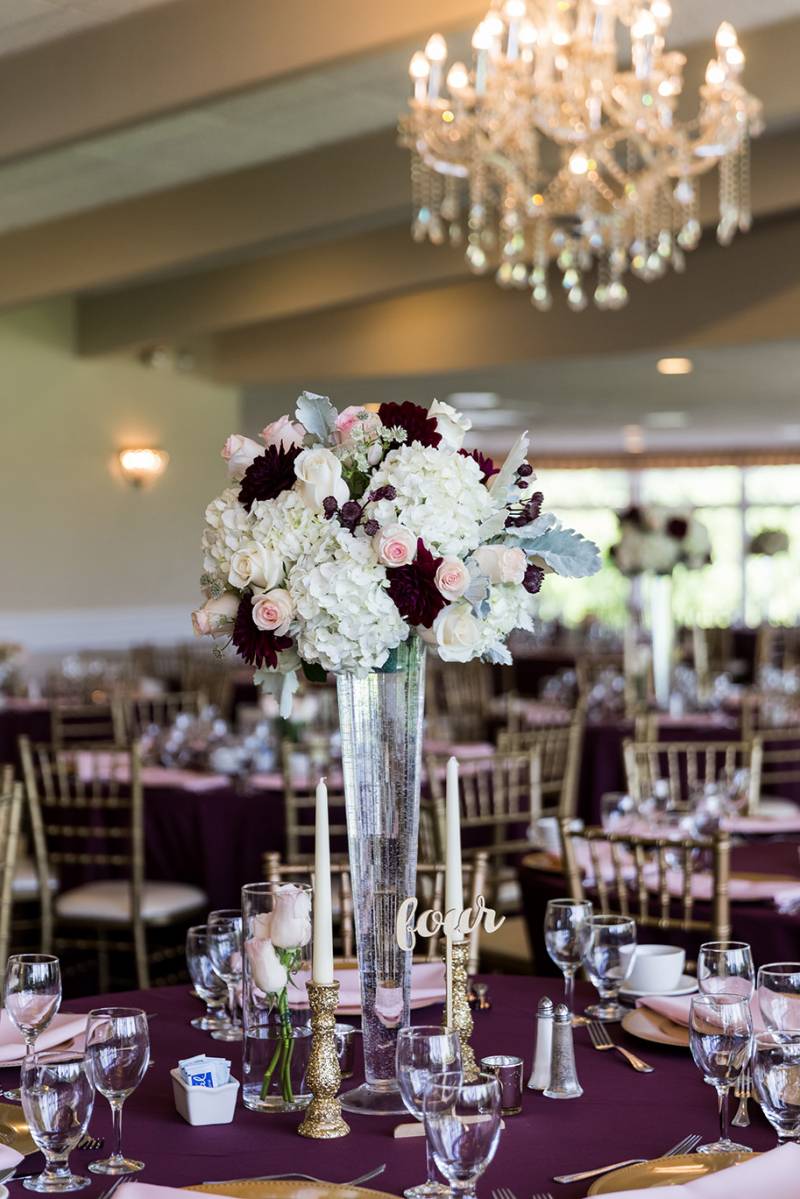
<point x="273" y="612"/>
<point x="501" y="564"/>
<point x="283" y="432"/>
<point x="216" y="615"/>
<point x="395" y="545"/>
<point x="452" y="578"/>
<point x="348" y="418"/>
<point x="239" y="452"/>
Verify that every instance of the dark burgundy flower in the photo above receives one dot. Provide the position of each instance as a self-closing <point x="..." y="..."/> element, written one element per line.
<point x="414" y="419"/>
<point x="256" y="646"/>
<point x="632" y="516"/>
<point x="527" y="512"/>
<point x="534" y="577"/>
<point x="524" y="470"/>
<point x="330" y="506"/>
<point x="413" y="588"/>
<point x="382" y="493"/>
<point x="371" y="528"/>
<point x="488" y="467"/>
<point x="268" y="475"/>
<point x="677" y="527"/>
<point x="350" y="514"/>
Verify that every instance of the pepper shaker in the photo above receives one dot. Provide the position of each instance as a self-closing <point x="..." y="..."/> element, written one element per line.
<point x="543" y="1049"/>
<point x="563" y="1074"/>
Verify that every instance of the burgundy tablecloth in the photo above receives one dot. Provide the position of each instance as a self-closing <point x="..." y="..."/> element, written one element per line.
<point x="18" y="718"/>
<point x="621" y="1114"/>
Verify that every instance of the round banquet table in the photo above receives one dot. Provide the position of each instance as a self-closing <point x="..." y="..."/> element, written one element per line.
<point x="621" y="1114"/>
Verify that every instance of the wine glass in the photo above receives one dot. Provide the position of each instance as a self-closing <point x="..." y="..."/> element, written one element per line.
<point x="462" y="1124"/>
<point x="566" y="935"/>
<point x="205" y="980"/>
<point x="32" y="996"/>
<point x="118" y="1049"/>
<point x="57" y="1098"/>
<point x="720" y="1035"/>
<point x="426" y="1054"/>
<point x="726" y="967"/>
<point x="776" y="1078"/>
<point x="224" y="934"/>
<point x="608" y="958"/>
<point x="617" y="812"/>
<point x="778" y="990"/>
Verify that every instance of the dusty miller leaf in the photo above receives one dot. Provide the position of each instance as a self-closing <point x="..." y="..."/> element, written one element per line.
<point x="564" y="551"/>
<point x="317" y="414"/>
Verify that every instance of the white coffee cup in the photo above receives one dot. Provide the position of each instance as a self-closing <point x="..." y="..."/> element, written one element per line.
<point x="656" y="969"/>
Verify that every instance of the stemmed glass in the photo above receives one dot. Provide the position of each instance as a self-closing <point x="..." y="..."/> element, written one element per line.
<point x="776" y="1078"/>
<point x="224" y="933"/>
<point x="427" y="1054"/>
<point x="726" y="967"/>
<point x="778" y="990"/>
<point x="463" y="1129"/>
<point x="566" y="936"/>
<point x="32" y="996"/>
<point x="57" y="1098"/>
<point x="205" y="980"/>
<point x="118" y="1050"/>
<point x="608" y="958"/>
<point x="720" y="1036"/>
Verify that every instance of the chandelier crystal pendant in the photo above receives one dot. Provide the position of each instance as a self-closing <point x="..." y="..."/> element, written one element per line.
<point x="547" y="150"/>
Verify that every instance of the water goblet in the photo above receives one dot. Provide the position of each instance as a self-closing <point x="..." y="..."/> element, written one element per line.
<point x="224" y="933"/>
<point x="617" y="812"/>
<point x="462" y="1124"/>
<point x="118" y="1051"/>
<point x="57" y="1098"/>
<point x="776" y="1079"/>
<point x="608" y="958"/>
<point x="426" y="1054"/>
<point x="726" y="967"/>
<point x="207" y="983"/>
<point x="778" y="991"/>
<point x="720" y="1036"/>
<point x="566" y="936"/>
<point x="32" y="996"/>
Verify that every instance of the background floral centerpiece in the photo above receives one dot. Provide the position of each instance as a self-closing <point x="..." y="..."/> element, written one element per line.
<point x="656" y="540"/>
<point x="769" y="542"/>
<point x="346" y="533"/>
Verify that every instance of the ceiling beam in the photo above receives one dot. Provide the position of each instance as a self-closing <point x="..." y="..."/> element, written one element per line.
<point x="183" y="53"/>
<point x="748" y="292"/>
<point x="358" y="268"/>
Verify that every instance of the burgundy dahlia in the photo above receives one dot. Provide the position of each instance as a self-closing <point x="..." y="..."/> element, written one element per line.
<point x="488" y="467"/>
<point x="413" y="588"/>
<point x="632" y="516"/>
<point x="534" y="577"/>
<point x="255" y="645"/>
<point x="677" y="527"/>
<point x="414" y="419"/>
<point x="268" y="475"/>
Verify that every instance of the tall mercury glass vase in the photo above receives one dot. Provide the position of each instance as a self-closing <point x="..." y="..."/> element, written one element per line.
<point x="380" y="717"/>
<point x="662" y="632"/>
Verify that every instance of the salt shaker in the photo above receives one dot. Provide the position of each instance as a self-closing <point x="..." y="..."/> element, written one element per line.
<point x="563" y="1074"/>
<point x="543" y="1050"/>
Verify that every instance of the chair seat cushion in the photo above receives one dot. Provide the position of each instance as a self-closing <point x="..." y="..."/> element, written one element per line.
<point x="110" y="901"/>
<point x="26" y="880"/>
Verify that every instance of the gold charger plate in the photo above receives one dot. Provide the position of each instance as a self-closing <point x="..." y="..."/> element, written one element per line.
<point x="665" y="1171"/>
<point x="648" y="1025"/>
<point x="14" y="1132"/>
<point x="289" y="1188"/>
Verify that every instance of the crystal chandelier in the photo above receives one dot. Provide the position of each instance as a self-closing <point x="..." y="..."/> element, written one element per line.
<point x="548" y="150"/>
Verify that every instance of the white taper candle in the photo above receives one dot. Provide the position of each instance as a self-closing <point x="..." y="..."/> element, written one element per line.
<point x="453" y="883"/>
<point x="322" y="952"/>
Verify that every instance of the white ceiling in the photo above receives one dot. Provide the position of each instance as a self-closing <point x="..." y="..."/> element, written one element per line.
<point x="288" y="118"/>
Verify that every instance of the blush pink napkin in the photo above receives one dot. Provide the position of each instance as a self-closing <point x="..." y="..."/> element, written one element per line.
<point x="9" y="1158"/>
<point x="762" y="824"/>
<point x="115" y="765"/>
<point x="63" y="1027"/>
<point x="676" y="1008"/>
<point x="149" y="1190"/>
<point x="427" y="986"/>
<point x="773" y="1175"/>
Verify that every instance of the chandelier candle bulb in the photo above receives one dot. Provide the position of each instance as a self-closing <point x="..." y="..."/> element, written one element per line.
<point x="543" y="1048"/>
<point x="322" y="949"/>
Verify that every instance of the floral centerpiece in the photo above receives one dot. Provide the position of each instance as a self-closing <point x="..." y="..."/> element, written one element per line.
<point x="346" y="533"/>
<point x="656" y="540"/>
<point x="768" y="542"/>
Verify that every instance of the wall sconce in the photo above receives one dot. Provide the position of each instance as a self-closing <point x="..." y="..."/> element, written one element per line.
<point x="142" y="466"/>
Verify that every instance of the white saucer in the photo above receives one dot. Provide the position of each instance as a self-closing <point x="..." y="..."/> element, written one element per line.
<point x="687" y="986"/>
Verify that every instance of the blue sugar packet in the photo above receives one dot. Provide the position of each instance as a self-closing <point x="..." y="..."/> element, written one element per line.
<point x="202" y="1071"/>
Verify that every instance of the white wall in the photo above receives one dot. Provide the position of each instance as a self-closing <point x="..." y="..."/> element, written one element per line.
<point x="85" y="559"/>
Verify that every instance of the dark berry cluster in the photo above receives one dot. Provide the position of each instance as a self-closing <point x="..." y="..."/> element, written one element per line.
<point x="350" y="515"/>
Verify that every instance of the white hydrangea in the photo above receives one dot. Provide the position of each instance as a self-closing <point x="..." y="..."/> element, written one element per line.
<point x="288" y="526"/>
<point x="440" y="497"/>
<point x="346" y="620"/>
<point x="228" y="528"/>
<point x="510" y="607"/>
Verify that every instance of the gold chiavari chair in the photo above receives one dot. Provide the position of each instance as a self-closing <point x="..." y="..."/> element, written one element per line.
<point x="650" y="878"/>
<point x="459" y="699"/>
<point x="303" y="764"/>
<point x="77" y="722"/>
<point x="780" y="759"/>
<point x="430" y="894"/>
<point x="10" y="815"/>
<point x="686" y="766"/>
<point x="763" y="710"/>
<point x="86" y="806"/>
<point x="560" y="748"/>
<point x="133" y="714"/>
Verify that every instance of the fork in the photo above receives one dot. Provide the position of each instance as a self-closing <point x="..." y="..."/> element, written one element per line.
<point x="601" y="1040"/>
<point x="505" y="1193"/>
<point x="543" y="1195"/>
<point x="687" y="1145"/>
<point x="744" y="1084"/>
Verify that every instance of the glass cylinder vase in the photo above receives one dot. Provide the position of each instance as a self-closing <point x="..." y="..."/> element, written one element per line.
<point x="662" y="632"/>
<point x="380" y="717"/>
<point x="276" y="935"/>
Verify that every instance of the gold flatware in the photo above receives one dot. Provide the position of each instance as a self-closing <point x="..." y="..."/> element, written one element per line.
<point x="665" y="1171"/>
<point x="14" y="1130"/>
<point x="648" y="1025"/>
<point x="351" y="1182"/>
<point x="687" y="1145"/>
<point x="742" y="1091"/>
<point x="601" y="1040"/>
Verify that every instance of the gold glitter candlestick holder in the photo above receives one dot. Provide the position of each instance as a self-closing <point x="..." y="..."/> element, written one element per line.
<point x="323" y="1116"/>
<point x="457" y="1013"/>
